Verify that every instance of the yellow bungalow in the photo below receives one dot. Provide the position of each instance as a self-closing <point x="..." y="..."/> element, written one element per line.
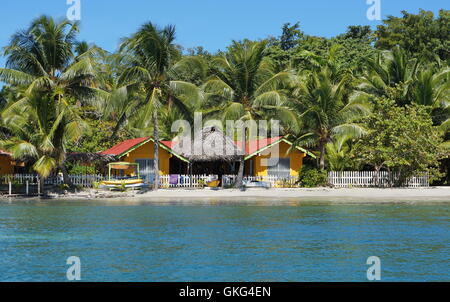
<point x="259" y="158"/>
<point x="260" y="155"/>
<point x="141" y="151"/>
<point x="8" y="165"/>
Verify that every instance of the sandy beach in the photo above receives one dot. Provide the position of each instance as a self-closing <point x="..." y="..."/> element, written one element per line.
<point x="271" y="196"/>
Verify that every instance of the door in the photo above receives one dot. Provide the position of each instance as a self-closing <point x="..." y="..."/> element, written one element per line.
<point x="282" y="168"/>
<point x="146" y="170"/>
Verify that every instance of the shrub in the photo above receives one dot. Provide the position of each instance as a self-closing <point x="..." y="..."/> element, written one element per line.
<point x="63" y="187"/>
<point x="311" y="177"/>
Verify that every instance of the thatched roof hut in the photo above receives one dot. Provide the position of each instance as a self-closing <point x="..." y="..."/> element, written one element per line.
<point x="209" y="145"/>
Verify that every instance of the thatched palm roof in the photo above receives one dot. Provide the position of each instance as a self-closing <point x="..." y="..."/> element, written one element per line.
<point x="214" y="145"/>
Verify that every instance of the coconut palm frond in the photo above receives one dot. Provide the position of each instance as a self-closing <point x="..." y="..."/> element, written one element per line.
<point x="350" y="130"/>
<point x="45" y="165"/>
<point x="15" y="77"/>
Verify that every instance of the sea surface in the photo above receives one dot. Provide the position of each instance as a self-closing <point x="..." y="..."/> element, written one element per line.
<point x="220" y="241"/>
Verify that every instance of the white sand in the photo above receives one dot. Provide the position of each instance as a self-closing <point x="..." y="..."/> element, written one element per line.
<point x="271" y="197"/>
<point x="354" y="195"/>
<point x="440" y="192"/>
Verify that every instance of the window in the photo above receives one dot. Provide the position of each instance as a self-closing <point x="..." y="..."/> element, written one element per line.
<point x="282" y="167"/>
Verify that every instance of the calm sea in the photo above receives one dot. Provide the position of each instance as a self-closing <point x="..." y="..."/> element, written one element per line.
<point x="283" y="241"/>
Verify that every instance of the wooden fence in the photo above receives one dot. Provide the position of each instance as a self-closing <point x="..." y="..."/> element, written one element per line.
<point x="345" y="179"/>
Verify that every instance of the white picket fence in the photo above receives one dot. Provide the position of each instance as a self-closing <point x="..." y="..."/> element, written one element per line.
<point x="345" y="179"/>
<point x="166" y="181"/>
<point x="85" y="181"/>
<point x="275" y="181"/>
<point x="186" y="181"/>
<point x="339" y="179"/>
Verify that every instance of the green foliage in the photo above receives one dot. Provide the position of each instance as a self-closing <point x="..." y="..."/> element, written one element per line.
<point x="321" y="96"/>
<point x="201" y="183"/>
<point x="339" y="155"/>
<point x="400" y="139"/>
<point x="354" y="49"/>
<point x="420" y="35"/>
<point x="63" y="187"/>
<point x="42" y="65"/>
<point x="311" y="177"/>
<point x="291" y="36"/>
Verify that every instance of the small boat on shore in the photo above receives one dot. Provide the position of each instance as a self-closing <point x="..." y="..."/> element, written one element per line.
<point x="121" y="181"/>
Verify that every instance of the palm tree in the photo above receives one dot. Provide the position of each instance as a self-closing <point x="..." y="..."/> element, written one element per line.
<point x="389" y="74"/>
<point x="41" y="60"/>
<point x="39" y="130"/>
<point x="325" y="111"/>
<point x="338" y="154"/>
<point x="244" y="86"/>
<point x="154" y="64"/>
<point x="432" y="89"/>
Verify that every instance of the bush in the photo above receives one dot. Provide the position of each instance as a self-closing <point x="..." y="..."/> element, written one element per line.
<point x="311" y="177"/>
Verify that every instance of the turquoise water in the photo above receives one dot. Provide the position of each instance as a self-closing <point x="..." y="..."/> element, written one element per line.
<point x="227" y="242"/>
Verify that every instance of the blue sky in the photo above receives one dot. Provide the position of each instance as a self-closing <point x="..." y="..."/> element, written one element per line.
<point x="210" y="23"/>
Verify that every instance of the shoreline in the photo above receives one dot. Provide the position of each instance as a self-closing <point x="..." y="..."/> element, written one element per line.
<point x="430" y="195"/>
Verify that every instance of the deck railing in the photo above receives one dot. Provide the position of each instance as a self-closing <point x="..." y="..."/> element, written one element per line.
<point x="345" y="179"/>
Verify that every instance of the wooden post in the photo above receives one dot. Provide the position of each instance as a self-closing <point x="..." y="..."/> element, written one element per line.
<point x="27" y="188"/>
<point x="191" y="181"/>
<point x="10" y="188"/>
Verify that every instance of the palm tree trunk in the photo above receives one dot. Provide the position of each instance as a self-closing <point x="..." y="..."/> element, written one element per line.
<point x="240" y="176"/>
<point x="377" y="176"/>
<point x="156" y="149"/>
<point x="65" y="174"/>
<point x="322" y="155"/>
<point x="41" y="185"/>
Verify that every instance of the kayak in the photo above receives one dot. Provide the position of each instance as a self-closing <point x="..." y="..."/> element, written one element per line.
<point x="127" y="183"/>
<point x="122" y="182"/>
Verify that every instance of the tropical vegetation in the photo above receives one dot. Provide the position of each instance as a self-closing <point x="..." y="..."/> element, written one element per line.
<point x="365" y="99"/>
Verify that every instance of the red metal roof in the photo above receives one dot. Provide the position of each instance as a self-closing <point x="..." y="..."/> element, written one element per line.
<point x="131" y="143"/>
<point x="255" y="145"/>
<point x="250" y="147"/>
<point x="124" y="146"/>
<point x="5" y="153"/>
<point x="168" y="144"/>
